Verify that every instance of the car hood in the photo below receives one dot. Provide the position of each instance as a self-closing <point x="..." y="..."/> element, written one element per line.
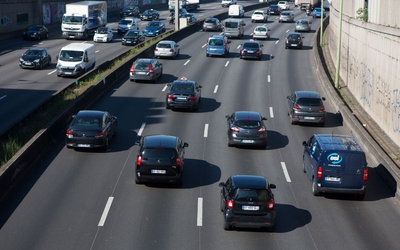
<point x="152" y="28"/>
<point x="131" y="37"/>
<point x="30" y="57"/>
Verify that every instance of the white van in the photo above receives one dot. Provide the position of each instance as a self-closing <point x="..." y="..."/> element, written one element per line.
<point x="236" y="10"/>
<point x="76" y="59"/>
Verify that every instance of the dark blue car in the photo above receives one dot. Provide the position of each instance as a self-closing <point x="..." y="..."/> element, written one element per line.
<point x="154" y="28"/>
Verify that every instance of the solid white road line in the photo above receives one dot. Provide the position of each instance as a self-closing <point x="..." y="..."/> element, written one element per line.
<point x="51" y="72"/>
<point x="186" y="62"/>
<point x="141" y="129"/>
<point x="226" y="64"/>
<point x="200" y="212"/>
<point x="105" y="212"/>
<point x="165" y="88"/>
<point x="285" y="172"/>
<point x="269" y="78"/>
<point x="4" y="96"/>
<point x="206" y="130"/>
<point x="271" y="112"/>
<point x="215" y="89"/>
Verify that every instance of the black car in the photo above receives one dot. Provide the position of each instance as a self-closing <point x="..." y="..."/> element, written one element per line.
<point x="130" y="11"/>
<point x="36" y="32"/>
<point x="183" y="94"/>
<point x="294" y="40"/>
<point x="251" y="49"/>
<point x="133" y="37"/>
<point x="91" y="129"/>
<point x="150" y="15"/>
<point x="246" y="128"/>
<point x="274" y="10"/>
<point x="35" y="58"/>
<point x="160" y="159"/>
<point x="306" y="106"/>
<point x="247" y="201"/>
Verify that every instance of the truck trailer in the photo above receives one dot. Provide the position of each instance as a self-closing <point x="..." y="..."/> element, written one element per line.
<point x="81" y="19"/>
<point x="189" y="5"/>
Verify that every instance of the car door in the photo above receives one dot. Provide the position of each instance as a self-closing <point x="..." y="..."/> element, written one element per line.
<point x="226" y="189"/>
<point x="176" y="48"/>
<point x="157" y="67"/>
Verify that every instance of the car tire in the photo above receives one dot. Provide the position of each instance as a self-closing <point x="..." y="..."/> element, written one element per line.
<point x="314" y="188"/>
<point x="106" y="143"/>
<point x="138" y="182"/>
<point x="360" y="196"/>
<point x="167" y="107"/>
<point x="227" y="227"/>
<point x="40" y="65"/>
<point x="304" y="167"/>
<point x="47" y="36"/>
<point x="207" y="55"/>
<point x="322" y="124"/>
<point x="286" y="47"/>
<point x="115" y="130"/>
<point x="291" y="120"/>
<point x="271" y="229"/>
<point x="228" y="143"/>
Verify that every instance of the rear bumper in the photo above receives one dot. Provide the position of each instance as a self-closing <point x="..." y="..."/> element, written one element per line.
<point x="182" y="105"/>
<point x="309" y="118"/>
<point x="237" y="220"/>
<point x="84" y="143"/>
<point x="323" y="189"/>
<point x="246" y="141"/>
<point x="135" y="77"/>
<point x="158" y="178"/>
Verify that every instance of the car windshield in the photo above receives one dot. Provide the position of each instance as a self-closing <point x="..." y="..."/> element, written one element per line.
<point x="87" y="121"/>
<point x="158" y="153"/>
<point x="248" y="124"/>
<point x="216" y="42"/>
<point x="182" y="88"/>
<point x="33" y="28"/>
<point x="33" y="52"/>
<point x="147" y="12"/>
<point x="251" y="45"/>
<point x="128" y="9"/>
<point x="124" y="21"/>
<point x="142" y="66"/>
<point x="153" y="24"/>
<point x="102" y="30"/>
<point x="231" y="25"/>
<point x="164" y="45"/>
<point x="260" y="195"/>
<point x="72" y="19"/>
<point x="71" y="55"/>
<point x="309" y="102"/>
<point x="132" y="33"/>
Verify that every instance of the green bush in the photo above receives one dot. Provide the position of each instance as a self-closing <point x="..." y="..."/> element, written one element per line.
<point x="362" y="14"/>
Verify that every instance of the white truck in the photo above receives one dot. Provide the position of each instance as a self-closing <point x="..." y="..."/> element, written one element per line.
<point x="185" y="4"/>
<point x="81" y="19"/>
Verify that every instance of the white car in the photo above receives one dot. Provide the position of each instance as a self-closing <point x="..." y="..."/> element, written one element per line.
<point x="227" y="3"/>
<point x="166" y="48"/>
<point x="259" y="16"/>
<point x="261" y="32"/>
<point x="103" y="34"/>
<point x="284" y="5"/>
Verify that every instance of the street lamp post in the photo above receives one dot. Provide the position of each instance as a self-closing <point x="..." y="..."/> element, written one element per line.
<point x="339" y="45"/>
<point x="322" y="24"/>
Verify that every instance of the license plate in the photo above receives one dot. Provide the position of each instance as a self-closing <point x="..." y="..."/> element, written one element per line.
<point x="84" y="145"/>
<point x="140" y="73"/>
<point x="251" y="208"/>
<point x="248" y="141"/>
<point x="158" y="171"/>
<point x="227" y="33"/>
<point x="71" y="36"/>
<point x="293" y="45"/>
<point x="308" y="118"/>
<point x="28" y="63"/>
<point x="329" y="178"/>
<point x="67" y="73"/>
<point x="128" y="42"/>
<point x="181" y="98"/>
<point x="250" y="52"/>
<point x="209" y="27"/>
<point x="164" y="54"/>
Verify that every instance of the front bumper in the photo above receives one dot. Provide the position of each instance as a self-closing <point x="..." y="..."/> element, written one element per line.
<point x="72" y="72"/>
<point x="73" y="35"/>
<point x="29" y="65"/>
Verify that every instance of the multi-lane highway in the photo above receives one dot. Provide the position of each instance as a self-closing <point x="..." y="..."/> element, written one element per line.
<point x="89" y="199"/>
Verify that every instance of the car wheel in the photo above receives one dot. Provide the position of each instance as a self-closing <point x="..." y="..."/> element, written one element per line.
<point x="229" y="143"/>
<point x="271" y="229"/>
<point x="314" y="187"/>
<point x="47" y="36"/>
<point x="361" y="196"/>
<point x="322" y="124"/>
<point x="221" y="205"/>
<point x="304" y="167"/>
<point x="40" y="65"/>
<point x="285" y="47"/>
<point x="240" y="57"/>
<point x="115" y="130"/>
<point x="167" y="107"/>
<point x="207" y="55"/>
<point x="138" y="181"/>
<point x="291" y="120"/>
<point x="227" y="226"/>
<point x="105" y="147"/>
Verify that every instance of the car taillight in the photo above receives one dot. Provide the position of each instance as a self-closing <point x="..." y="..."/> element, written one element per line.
<point x="230" y="204"/>
<point x="297" y="106"/>
<point x="99" y="134"/>
<point x="319" y="172"/>
<point x="139" y="161"/>
<point x="287" y="40"/>
<point x="156" y="49"/>
<point x="241" y="51"/>
<point x="234" y="129"/>
<point x="170" y="96"/>
<point x="132" y="70"/>
<point x="151" y="70"/>
<point x="365" y="176"/>
<point x="178" y="162"/>
<point x="271" y="205"/>
<point x="322" y="108"/>
<point x="261" y="130"/>
<point x="192" y="97"/>
<point x="69" y="132"/>
<point x="171" y="50"/>
<point x="258" y="51"/>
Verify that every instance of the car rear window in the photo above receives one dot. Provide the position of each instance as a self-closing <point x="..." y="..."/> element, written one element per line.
<point x="231" y="25"/>
<point x="257" y="13"/>
<point x="158" y="153"/>
<point x="210" y="21"/>
<point x="142" y="66"/>
<point x="248" y="124"/>
<point x="215" y="42"/>
<point x="294" y="37"/>
<point x="182" y="87"/>
<point x="87" y="122"/>
<point x="309" y="102"/>
<point x="164" y="45"/>
<point x="251" y="195"/>
<point x="251" y="45"/>
<point x="261" y="29"/>
<point x="285" y="14"/>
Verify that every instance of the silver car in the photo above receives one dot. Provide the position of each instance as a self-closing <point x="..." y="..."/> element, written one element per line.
<point x="261" y="32"/>
<point x="286" y="16"/>
<point x="166" y="49"/>
<point x="146" y="69"/>
<point x="306" y="106"/>
<point x="303" y="25"/>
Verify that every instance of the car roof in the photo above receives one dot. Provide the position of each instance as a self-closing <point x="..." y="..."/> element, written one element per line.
<point x="166" y="41"/>
<point x="240" y="115"/>
<point x="183" y="82"/>
<point x="144" y="60"/>
<point x="294" y="33"/>
<point x="301" y="20"/>
<point x="90" y="113"/>
<point x="37" y="48"/>
<point x="337" y="142"/>
<point x="249" y="181"/>
<point x="307" y="94"/>
<point x="164" y="141"/>
<point x="251" y="42"/>
<point x="217" y="37"/>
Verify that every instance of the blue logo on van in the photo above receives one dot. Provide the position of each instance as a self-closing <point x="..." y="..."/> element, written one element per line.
<point x="335" y="158"/>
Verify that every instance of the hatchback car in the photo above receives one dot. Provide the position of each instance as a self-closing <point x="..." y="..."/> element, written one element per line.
<point x="284" y="5"/>
<point x="317" y="12"/>
<point x="294" y="40"/>
<point x="150" y="15"/>
<point x="36" y="32"/>
<point x="145" y="69"/>
<point x="212" y="23"/>
<point x="261" y="32"/>
<point x="183" y="94"/>
<point x="190" y="17"/>
<point x="259" y="16"/>
<point x="161" y="159"/>
<point x="91" y="129"/>
<point x="227" y="3"/>
<point x="246" y="128"/>
<point x="248" y="201"/>
<point x="103" y="34"/>
<point x="286" y="16"/>
<point x="167" y="48"/>
<point x="217" y="45"/>
<point x="303" y="25"/>
<point x="306" y="106"/>
<point x="133" y="37"/>
<point x="274" y="10"/>
<point x="130" y="11"/>
<point x="154" y="28"/>
<point x="35" y="58"/>
<point x="251" y="49"/>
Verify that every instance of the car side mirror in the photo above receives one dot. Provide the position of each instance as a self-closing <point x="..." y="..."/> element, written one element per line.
<point x="288" y="97"/>
<point x="304" y="143"/>
<point x="200" y="86"/>
<point x="169" y="84"/>
<point x="229" y="41"/>
<point x="228" y="117"/>
<point x="273" y="186"/>
<point x="310" y="22"/>
<point x="323" y="98"/>
<point x="261" y="45"/>
<point x="185" y="145"/>
<point x="244" y="24"/>
<point x="221" y="184"/>
<point x="264" y="118"/>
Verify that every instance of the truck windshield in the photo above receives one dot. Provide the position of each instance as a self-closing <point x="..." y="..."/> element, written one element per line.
<point x="72" y="19"/>
<point x="71" y="55"/>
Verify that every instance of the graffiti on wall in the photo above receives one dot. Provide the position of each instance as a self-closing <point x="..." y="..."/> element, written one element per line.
<point x="5" y="20"/>
<point x="115" y="4"/>
<point x="396" y="110"/>
<point x="367" y="84"/>
<point x="382" y="96"/>
<point x="52" y="12"/>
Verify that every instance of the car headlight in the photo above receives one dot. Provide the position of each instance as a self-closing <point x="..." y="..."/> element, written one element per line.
<point x="37" y="60"/>
<point x="79" y="65"/>
<point x="123" y="39"/>
<point x="21" y="60"/>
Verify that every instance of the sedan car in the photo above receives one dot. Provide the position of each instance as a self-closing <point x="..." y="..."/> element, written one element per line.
<point x="286" y="16"/>
<point x="103" y="34"/>
<point x="133" y="37"/>
<point x="212" y="23"/>
<point x="306" y="106"/>
<point x="317" y="12"/>
<point x="259" y="16"/>
<point x="191" y="18"/>
<point x="274" y="10"/>
<point x="246" y="128"/>
<point x="261" y="32"/>
<point x="154" y="28"/>
<point x="130" y="11"/>
<point x="150" y="15"/>
<point x="166" y="48"/>
<point x="303" y="25"/>
<point x="251" y="49"/>
<point x="183" y="94"/>
<point x="294" y="40"/>
<point x="36" y="32"/>
<point x="146" y="69"/>
<point x="248" y="201"/>
<point x="91" y="129"/>
<point x="35" y="58"/>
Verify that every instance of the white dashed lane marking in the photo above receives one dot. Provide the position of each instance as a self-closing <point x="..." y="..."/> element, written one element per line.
<point x="206" y="130"/>
<point x="285" y="172"/>
<point x="200" y="212"/>
<point x="105" y="212"/>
